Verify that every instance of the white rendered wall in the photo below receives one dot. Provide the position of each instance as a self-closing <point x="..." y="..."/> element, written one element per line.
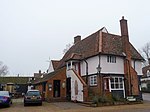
<point x="50" y="68"/>
<point x="114" y="68"/>
<point x="79" y="96"/>
<point x="137" y="65"/>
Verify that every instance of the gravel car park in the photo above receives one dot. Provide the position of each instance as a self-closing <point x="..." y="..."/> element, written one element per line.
<point x="76" y="107"/>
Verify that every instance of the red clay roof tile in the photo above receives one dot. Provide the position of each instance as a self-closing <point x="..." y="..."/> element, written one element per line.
<point x="111" y="44"/>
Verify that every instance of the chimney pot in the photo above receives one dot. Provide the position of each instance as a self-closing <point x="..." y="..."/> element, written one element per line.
<point x="39" y="71"/>
<point x="77" y="39"/>
<point x="149" y="61"/>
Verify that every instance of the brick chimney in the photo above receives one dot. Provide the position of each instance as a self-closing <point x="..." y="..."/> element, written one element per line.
<point x="77" y="39"/>
<point x="125" y="36"/>
<point x="124" y="27"/>
<point x="126" y="50"/>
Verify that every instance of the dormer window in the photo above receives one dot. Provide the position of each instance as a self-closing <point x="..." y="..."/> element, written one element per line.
<point x="111" y="59"/>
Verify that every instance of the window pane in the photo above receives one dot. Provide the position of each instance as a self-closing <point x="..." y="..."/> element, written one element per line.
<point x="107" y="58"/>
<point x="120" y="79"/>
<point x="112" y="79"/>
<point x="117" y="86"/>
<point x="116" y="79"/>
<point x="112" y="59"/>
<point x="112" y="86"/>
<point x="121" y="86"/>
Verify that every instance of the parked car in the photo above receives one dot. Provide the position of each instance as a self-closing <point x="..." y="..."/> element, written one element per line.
<point x="32" y="97"/>
<point x="5" y="98"/>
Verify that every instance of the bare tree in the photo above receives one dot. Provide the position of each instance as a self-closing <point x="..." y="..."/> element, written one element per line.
<point x="145" y="52"/>
<point x="3" y="69"/>
<point x="68" y="46"/>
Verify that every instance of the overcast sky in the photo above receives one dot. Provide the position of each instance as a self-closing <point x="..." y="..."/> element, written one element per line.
<point x="31" y="31"/>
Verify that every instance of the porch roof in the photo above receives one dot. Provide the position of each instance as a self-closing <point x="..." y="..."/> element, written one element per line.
<point x="48" y="76"/>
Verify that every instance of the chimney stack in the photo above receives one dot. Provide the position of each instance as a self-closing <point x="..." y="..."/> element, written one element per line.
<point x="124" y="27"/>
<point x="149" y="61"/>
<point x="39" y="71"/>
<point x="125" y="37"/>
<point x="77" y="39"/>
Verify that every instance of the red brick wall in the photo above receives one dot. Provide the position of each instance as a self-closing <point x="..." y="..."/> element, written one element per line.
<point x="96" y="90"/>
<point x="131" y="82"/>
<point x="134" y="81"/>
<point x="39" y="87"/>
<point x="58" y="76"/>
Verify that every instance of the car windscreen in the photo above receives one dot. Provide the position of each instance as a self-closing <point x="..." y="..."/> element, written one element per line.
<point x="4" y="93"/>
<point x="33" y="93"/>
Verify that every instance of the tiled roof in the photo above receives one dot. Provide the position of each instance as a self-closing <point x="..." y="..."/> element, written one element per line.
<point x="15" y="80"/>
<point x="90" y="46"/>
<point x="38" y="75"/>
<point x="87" y="47"/>
<point x="112" y="44"/>
<point x="55" y="63"/>
<point x="48" y="76"/>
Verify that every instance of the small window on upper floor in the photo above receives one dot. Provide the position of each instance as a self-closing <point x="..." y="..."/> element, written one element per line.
<point x="111" y="59"/>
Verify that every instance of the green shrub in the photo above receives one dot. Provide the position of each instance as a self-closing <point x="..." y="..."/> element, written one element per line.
<point x="103" y="99"/>
<point x="95" y="99"/>
<point x="117" y="98"/>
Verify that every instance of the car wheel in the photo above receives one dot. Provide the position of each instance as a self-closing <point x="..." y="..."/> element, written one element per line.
<point x="8" y="105"/>
<point x="40" y="104"/>
<point x="25" y="104"/>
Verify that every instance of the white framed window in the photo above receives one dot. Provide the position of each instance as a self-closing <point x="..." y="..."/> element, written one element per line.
<point x="117" y="83"/>
<point x="93" y="80"/>
<point x="111" y="59"/>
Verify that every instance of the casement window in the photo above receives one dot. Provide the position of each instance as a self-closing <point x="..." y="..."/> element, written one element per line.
<point x="93" y="80"/>
<point x="111" y="59"/>
<point x="116" y="83"/>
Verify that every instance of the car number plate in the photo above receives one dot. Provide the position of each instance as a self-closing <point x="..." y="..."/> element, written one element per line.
<point x="33" y="98"/>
